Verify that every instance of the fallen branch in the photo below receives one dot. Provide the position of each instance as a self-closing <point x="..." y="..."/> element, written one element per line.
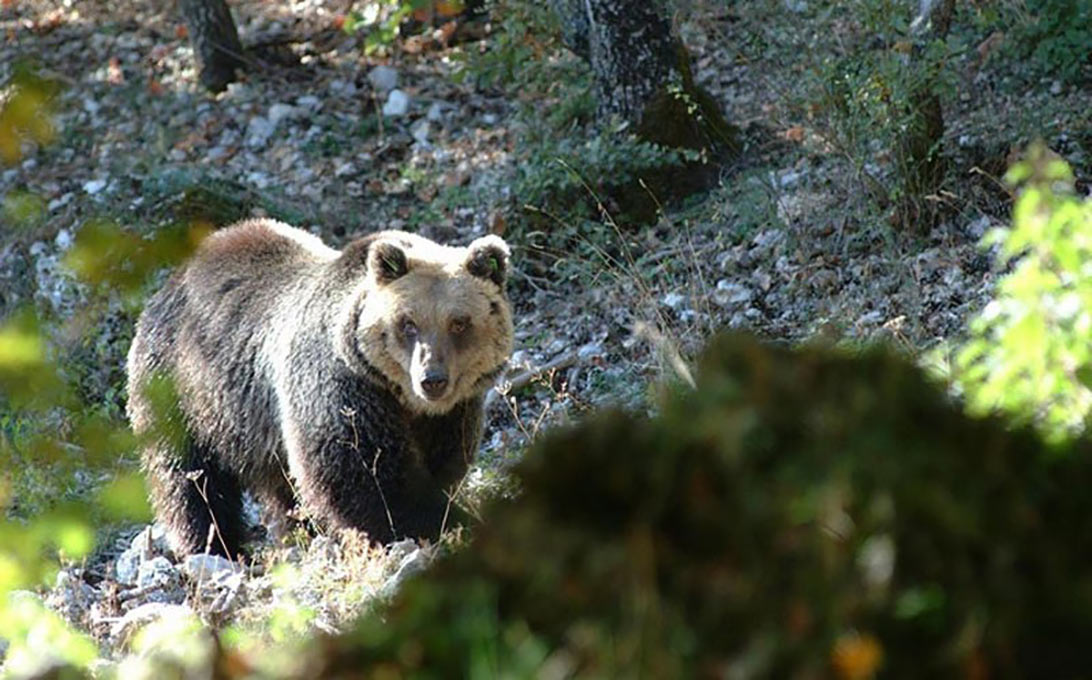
<point x="523" y="379"/>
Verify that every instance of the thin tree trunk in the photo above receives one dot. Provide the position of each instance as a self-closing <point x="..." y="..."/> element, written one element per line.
<point x="642" y="76"/>
<point x="919" y="152"/>
<point x="215" y="41"/>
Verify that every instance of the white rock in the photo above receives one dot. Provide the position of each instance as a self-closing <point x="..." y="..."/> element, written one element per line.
<point x="420" y="132"/>
<point x="216" y="153"/>
<point x="63" y="241"/>
<point x="202" y="567"/>
<point x="138" y="617"/>
<point x="673" y="300"/>
<point x="435" y="112"/>
<point x="870" y="318"/>
<point x="400" y="549"/>
<point x="151" y="541"/>
<point x="590" y="351"/>
<point x="383" y="78"/>
<point x="281" y="112"/>
<point x="343" y="168"/>
<point x="309" y="102"/>
<point x="731" y="293"/>
<point x="978" y="228"/>
<point x="258" y="132"/>
<point x="60" y="201"/>
<point x="411" y="564"/>
<point x="157" y="571"/>
<point x="94" y="186"/>
<point x="259" y="179"/>
<point x="127" y="566"/>
<point x="788" y="178"/>
<point x="397" y="104"/>
<point x="343" y="88"/>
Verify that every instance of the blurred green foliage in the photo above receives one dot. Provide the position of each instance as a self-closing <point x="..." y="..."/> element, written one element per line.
<point x="26" y="103"/>
<point x="382" y="21"/>
<point x="803" y="513"/>
<point x="1055" y="36"/>
<point x="62" y="459"/>
<point x="1029" y="351"/>
<point x="867" y="98"/>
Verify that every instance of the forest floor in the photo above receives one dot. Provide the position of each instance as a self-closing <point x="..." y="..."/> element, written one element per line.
<point x="788" y="245"/>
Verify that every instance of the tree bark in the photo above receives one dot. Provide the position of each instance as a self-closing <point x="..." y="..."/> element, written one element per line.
<point x="642" y="76"/>
<point x="642" y="72"/>
<point x="919" y="153"/>
<point x="215" y="41"/>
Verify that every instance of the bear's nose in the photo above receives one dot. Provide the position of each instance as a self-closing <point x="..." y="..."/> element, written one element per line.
<point x="434" y="384"/>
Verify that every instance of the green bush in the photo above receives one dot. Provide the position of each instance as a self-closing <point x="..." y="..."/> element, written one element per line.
<point x="1029" y="351"/>
<point x="802" y="514"/>
<point x="1056" y="36"/>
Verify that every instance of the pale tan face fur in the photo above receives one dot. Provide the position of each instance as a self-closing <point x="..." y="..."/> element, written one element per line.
<point x="432" y="326"/>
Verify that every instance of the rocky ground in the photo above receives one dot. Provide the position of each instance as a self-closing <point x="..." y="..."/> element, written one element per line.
<point x="340" y="143"/>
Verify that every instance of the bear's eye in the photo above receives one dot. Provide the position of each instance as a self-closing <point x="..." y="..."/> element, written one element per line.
<point x="459" y="326"/>
<point x="408" y="328"/>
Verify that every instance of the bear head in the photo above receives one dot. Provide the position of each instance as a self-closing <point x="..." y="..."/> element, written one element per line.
<point x="434" y="320"/>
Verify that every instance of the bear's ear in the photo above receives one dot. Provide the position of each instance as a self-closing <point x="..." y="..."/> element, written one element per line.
<point x="387" y="261"/>
<point x="488" y="259"/>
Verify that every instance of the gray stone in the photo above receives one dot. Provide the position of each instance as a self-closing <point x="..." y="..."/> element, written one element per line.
<point x="673" y="300"/>
<point x="281" y="112"/>
<point x="202" y="567"/>
<point x="436" y="112"/>
<point x="420" y="132"/>
<point x="730" y="293"/>
<point x="94" y="186"/>
<point x="149" y="612"/>
<point x="383" y="78"/>
<point x="151" y="541"/>
<point x="258" y="132"/>
<point x="590" y="351"/>
<point x="397" y="105"/>
<point x="127" y="566"/>
<point x="309" y="102"/>
<point x="157" y="571"/>
<point x="413" y="563"/>
<point x="60" y="201"/>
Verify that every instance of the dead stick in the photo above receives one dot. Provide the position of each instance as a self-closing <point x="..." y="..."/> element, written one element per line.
<point x="523" y="379"/>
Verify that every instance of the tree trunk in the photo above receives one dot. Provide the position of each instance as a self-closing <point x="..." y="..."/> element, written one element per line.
<point x="919" y="153"/>
<point x="642" y="73"/>
<point x="215" y="41"/>
<point x="642" y="76"/>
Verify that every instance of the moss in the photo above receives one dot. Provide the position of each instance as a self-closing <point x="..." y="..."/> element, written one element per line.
<point x="682" y="115"/>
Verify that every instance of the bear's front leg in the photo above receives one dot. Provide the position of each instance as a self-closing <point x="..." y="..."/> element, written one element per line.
<point x="357" y="468"/>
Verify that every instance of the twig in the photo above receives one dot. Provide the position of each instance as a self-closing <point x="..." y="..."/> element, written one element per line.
<point x="523" y="379"/>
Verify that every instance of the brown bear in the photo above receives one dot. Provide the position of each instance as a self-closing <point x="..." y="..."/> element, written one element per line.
<point x="349" y="381"/>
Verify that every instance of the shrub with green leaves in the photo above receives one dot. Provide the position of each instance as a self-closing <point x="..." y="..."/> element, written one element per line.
<point x="1030" y="350"/>
<point x="803" y="513"/>
<point x="1056" y="36"/>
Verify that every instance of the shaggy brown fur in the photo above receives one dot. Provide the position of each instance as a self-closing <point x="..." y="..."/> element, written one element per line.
<point x="350" y="381"/>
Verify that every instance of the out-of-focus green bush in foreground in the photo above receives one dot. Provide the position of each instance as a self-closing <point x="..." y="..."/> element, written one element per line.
<point x="802" y="514"/>
<point x="1030" y="351"/>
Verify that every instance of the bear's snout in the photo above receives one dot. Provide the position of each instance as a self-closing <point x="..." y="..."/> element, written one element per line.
<point x="434" y="383"/>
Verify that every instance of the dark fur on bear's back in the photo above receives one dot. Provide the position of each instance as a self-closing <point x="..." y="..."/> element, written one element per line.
<point x="286" y="385"/>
